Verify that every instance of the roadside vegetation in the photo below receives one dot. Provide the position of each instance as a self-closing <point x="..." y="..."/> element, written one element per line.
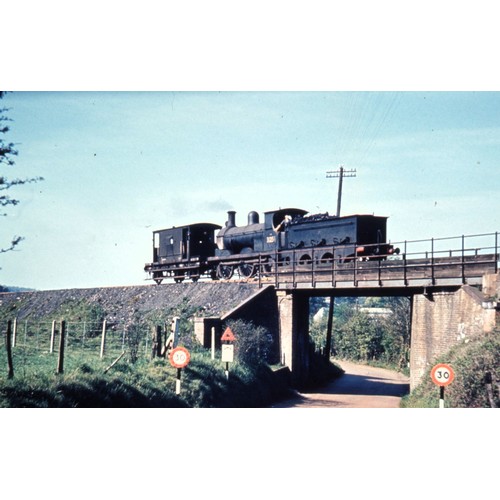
<point x="477" y="377"/>
<point x="143" y="384"/>
<point x="367" y="330"/>
<point x="129" y="376"/>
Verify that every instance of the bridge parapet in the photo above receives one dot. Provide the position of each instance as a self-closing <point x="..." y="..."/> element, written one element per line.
<point x="422" y="263"/>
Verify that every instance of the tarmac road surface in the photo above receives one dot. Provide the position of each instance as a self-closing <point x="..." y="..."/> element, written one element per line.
<point x="361" y="386"/>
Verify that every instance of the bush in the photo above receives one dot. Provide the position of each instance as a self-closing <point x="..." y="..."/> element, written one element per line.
<point x="254" y="344"/>
<point x="475" y="363"/>
<point x="360" y="337"/>
<point x="142" y="384"/>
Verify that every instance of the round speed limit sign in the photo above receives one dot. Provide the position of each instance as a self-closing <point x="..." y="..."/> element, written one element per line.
<point x="442" y="374"/>
<point x="179" y="357"/>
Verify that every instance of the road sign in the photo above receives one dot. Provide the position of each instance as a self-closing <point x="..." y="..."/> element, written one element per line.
<point x="442" y="374"/>
<point x="227" y="353"/>
<point x="228" y="335"/>
<point x="179" y="357"/>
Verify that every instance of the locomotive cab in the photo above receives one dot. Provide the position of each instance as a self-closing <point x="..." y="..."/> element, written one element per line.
<point x="276" y="226"/>
<point x="277" y="220"/>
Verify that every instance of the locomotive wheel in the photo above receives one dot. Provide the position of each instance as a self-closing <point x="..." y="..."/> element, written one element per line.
<point x="225" y="271"/>
<point x="192" y="276"/>
<point x="247" y="270"/>
<point x="269" y="266"/>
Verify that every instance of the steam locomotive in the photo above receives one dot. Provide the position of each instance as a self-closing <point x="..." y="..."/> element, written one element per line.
<point x="287" y="237"/>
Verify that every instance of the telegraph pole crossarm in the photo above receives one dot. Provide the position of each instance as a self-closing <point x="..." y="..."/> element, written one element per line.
<point x="340" y="174"/>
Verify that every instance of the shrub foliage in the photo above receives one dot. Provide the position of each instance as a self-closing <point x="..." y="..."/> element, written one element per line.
<point x="361" y="336"/>
<point x="477" y="377"/>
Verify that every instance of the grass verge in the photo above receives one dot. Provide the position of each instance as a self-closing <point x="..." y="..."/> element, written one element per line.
<point x="142" y="385"/>
<point x="477" y="377"/>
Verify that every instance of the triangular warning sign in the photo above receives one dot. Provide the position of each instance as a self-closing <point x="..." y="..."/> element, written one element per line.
<point x="228" y="336"/>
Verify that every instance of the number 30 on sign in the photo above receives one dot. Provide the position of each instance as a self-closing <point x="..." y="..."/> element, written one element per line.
<point x="179" y="357"/>
<point x="442" y="374"/>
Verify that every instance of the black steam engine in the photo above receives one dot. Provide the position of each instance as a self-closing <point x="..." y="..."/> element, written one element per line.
<point x="287" y="237"/>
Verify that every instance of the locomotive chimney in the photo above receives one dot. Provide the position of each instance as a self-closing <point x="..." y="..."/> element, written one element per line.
<point x="253" y="218"/>
<point x="231" y="219"/>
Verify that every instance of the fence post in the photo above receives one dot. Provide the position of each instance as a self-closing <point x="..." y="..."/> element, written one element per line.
<point x="14" y="332"/>
<point x="103" y="338"/>
<point x="156" y="344"/>
<point x="9" y="350"/>
<point x="52" y="336"/>
<point x="60" y="361"/>
<point x="123" y="337"/>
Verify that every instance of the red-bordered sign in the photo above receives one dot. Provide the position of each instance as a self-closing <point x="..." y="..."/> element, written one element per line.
<point x="442" y="374"/>
<point x="228" y="335"/>
<point x="179" y="357"/>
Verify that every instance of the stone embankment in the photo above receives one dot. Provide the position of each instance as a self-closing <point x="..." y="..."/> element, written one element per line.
<point x="122" y="303"/>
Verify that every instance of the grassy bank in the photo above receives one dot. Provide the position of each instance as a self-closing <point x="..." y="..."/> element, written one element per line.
<point x="477" y="377"/>
<point x="142" y="385"/>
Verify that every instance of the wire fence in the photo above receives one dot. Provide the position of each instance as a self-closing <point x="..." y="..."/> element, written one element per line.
<point x="30" y="346"/>
<point x="93" y="338"/>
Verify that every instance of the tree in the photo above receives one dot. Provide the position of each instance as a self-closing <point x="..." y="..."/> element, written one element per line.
<point x="254" y="344"/>
<point x="398" y="332"/>
<point x="7" y="154"/>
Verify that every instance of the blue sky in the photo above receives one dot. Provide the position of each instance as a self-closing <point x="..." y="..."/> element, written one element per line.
<point x="119" y="164"/>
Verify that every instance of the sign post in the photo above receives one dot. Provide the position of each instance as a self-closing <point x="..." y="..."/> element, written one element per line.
<point x="179" y="358"/>
<point x="442" y="375"/>
<point x="227" y="348"/>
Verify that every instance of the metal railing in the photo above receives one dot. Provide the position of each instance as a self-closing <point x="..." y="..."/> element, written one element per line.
<point x="462" y="259"/>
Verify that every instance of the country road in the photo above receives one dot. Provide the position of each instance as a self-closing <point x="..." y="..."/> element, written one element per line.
<point x="361" y="386"/>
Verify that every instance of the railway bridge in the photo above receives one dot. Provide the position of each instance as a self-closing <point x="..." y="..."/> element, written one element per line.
<point x="453" y="284"/>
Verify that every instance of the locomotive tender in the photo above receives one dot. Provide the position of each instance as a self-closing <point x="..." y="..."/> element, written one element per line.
<point x="287" y="237"/>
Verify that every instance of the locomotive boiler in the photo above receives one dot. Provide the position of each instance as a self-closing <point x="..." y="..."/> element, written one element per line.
<point x="286" y="237"/>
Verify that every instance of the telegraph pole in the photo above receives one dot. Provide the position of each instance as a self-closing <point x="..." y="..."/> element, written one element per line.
<point x="341" y="173"/>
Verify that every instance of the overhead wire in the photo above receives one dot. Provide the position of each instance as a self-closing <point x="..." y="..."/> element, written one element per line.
<point x="367" y="115"/>
<point x="384" y="113"/>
